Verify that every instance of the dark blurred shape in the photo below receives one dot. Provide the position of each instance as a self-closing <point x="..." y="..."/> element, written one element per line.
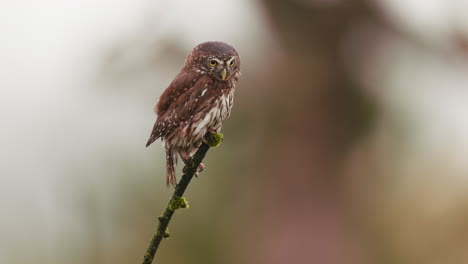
<point x="316" y="112"/>
<point x="461" y="42"/>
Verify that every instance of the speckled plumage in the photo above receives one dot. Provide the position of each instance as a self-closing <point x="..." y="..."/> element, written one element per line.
<point x="197" y="101"/>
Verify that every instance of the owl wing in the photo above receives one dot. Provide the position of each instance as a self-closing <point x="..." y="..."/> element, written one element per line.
<point x="180" y="85"/>
<point x="183" y="98"/>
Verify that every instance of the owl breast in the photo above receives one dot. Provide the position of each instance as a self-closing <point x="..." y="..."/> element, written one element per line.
<point x="212" y="118"/>
<point x="215" y="117"/>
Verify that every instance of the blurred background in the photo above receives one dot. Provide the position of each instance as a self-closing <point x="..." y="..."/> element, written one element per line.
<point x="347" y="143"/>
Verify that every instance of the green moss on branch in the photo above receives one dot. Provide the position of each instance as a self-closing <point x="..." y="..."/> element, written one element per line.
<point x="177" y="203"/>
<point x="215" y="139"/>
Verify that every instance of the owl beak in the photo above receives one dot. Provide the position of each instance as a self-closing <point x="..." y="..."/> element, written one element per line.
<point x="223" y="74"/>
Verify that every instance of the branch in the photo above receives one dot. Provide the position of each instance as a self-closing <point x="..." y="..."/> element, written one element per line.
<point x="177" y="201"/>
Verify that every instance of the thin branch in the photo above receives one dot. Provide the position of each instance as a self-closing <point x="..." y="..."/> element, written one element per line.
<point x="177" y="201"/>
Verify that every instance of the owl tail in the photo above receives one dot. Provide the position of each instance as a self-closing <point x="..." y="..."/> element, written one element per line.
<point x="171" y="161"/>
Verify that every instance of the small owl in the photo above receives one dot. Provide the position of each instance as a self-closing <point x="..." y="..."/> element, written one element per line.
<point x="197" y="102"/>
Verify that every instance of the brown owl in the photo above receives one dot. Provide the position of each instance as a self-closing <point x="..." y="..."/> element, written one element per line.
<point x="197" y="102"/>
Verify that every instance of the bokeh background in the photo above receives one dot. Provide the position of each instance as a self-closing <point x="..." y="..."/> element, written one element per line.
<point x="347" y="143"/>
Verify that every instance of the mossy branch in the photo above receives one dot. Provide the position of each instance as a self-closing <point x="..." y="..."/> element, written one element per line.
<point x="177" y="201"/>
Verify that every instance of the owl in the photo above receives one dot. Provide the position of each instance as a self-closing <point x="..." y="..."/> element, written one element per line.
<point x="197" y="102"/>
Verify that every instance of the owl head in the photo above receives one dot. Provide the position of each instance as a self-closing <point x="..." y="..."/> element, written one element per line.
<point x="218" y="59"/>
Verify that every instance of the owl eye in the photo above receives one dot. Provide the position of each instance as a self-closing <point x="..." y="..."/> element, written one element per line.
<point x="213" y="63"/>
<point x="232" y="63"/>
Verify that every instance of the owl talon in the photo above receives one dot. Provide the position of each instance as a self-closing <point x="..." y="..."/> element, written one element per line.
<point x="200" y="168"/>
